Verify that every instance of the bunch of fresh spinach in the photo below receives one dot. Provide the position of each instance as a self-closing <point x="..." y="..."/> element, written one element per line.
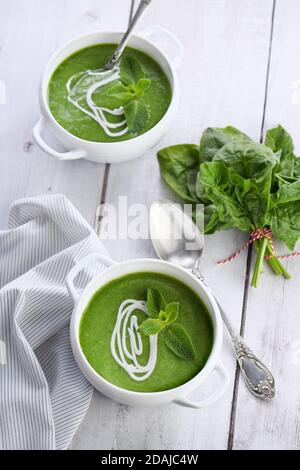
<point x="128" y="92"/>
<point x="163" y="321"/>
<point x="243" y="185"/>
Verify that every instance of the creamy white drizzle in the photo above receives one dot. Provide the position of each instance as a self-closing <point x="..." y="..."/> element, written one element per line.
<point x="80" y="89"/>
<point x="127" y="326"/>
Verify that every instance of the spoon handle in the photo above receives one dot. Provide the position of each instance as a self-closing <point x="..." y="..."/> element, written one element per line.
<point x="257" y="376"/>
<point x="119" y="50"/>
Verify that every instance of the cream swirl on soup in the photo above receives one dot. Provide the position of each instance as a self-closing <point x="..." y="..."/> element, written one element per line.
<point x="80" y="90"/>
<point x="126" y="353"/>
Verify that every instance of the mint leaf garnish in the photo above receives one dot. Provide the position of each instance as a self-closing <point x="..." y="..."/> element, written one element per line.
<point x="141" y="86"/>
<point x="131" y="70"/>
<point x="115" y="88"/>
<point x="163" y="318"/>
<point x="123" y="94"/>
<point x="178" y="341"/>
<point x="113" y="95"/>
<point x="172" y="311"/>
<point x="137" y="115"/>
<point x="151" y="326"/>
<point x="155" y="302"/>
<point x="137" y="112"/>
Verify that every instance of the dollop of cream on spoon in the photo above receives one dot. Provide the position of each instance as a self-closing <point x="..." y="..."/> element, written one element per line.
<point x="80" y="90"/>
<point x="127" y="355"/>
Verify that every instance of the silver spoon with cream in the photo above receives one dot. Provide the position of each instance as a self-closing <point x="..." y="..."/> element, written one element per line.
<point x="177" y="239"/>
<point x="113" y="61"/>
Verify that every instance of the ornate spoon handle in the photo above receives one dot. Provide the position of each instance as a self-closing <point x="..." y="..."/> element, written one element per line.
<point x="257" y="376"/>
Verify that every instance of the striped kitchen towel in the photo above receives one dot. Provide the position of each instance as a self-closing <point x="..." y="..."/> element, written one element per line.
<point x="43" y="395"/>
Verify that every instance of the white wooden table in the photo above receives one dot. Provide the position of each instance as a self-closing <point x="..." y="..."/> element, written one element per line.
<point x="241" y="67"/>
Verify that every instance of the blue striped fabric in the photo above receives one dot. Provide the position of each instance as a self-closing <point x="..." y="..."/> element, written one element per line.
<point x="43" y="395"/>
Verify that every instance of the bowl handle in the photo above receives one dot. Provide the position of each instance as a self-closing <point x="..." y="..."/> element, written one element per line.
<point x="152" y="30"/>
<point x="81" y="265"/>
<point x="185" y="401"/>
<point x="37" y="134"/>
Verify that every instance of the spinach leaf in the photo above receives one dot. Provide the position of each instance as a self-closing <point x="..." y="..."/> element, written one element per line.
<point x="179" y="165"/>
<point x="212" y="223"/>
<point x="137" y="115"/>
<point x="280" y="141"/>
<point x="285" y="215"/>
<point x="214" y="138"/>
<point x="220" y="185"/>
<point x="296" y="168"/>
<point x="255" y="163"/>
<point x="200" y="192"/>
<point x="287" y="193"/>
<point x="248" y="160"/>
<point x="191" y="184"/>
<point x="285" y="223"/>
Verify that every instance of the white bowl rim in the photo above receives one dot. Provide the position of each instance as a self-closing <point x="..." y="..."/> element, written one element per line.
<point x="45" y="82"/>
<point x="198" y="378"/>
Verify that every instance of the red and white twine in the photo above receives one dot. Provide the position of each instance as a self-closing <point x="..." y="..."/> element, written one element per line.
<point x="255" y="235"/>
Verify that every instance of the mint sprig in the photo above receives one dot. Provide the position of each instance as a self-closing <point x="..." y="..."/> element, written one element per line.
<point x="131" y="70"/>
<point x="137" y="115"/>
<point x="141" y="86"/>
<point x="155" y="302"/>
<point x="162" y="320"/>
<point x="151" y="326"/>
<point x="170" y="314"/>
<point x="130" y="91"/>
<point x="177" y="339"/>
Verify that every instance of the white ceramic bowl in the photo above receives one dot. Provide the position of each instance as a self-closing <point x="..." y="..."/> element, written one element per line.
<point x="179" y="395"/>
<point x="108" y="152"/>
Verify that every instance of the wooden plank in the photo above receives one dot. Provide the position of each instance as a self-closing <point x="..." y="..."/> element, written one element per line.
<point x="273" y="322"/>
<point x="222" y="81"/>
<point x="30" y="31"/>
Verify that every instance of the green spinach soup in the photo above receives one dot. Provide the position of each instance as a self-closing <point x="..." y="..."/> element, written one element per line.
<point x="108" y="105"/>
<point x="146" y="332"/>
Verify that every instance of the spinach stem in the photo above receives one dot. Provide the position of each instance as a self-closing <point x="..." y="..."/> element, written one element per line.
<point x="262" y="245"/>
<point x="256" y="245"/>
<point x="276" y="264"/>
<point x="273" y="262"/>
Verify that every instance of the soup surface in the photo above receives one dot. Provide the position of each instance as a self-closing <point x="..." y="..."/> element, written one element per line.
<point x="156" y="97"/>
<point x="99" y="319"/>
